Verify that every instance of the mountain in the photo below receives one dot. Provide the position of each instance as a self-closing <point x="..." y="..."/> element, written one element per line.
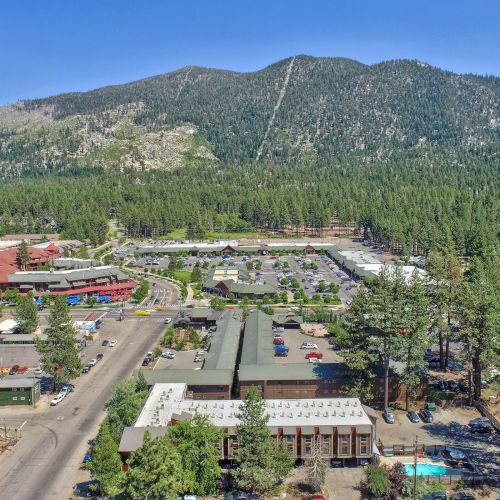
<point x="296" y="110"/>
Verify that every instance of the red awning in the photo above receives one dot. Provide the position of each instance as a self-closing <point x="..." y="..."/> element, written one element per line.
<point x="128" y="285"/>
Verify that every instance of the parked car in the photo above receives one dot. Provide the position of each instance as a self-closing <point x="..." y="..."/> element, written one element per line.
<point x="86" y="368"/>
<point x="14" y="369"/>
<point x="99" y="356"/>
<point x="314" y="360"/>
<point x="168" y="355"/>
<point x="281" y="350"/>
<point x="452" y="386"/>
<point x="314" y="354"/>
<point x="198" y="358"/>
<point x="309" y="345"/>
<point x="388" y="415"/>
<point x="66" y="389"/>
<point x="481" y="428"/>
<point x="463" y="386"/>
<point x="442" y="385"/>
<point x="105" y="343"/>
<point x="439" y="495"/>
<point x="87" y="458"/>
<point x="112" y="343"/>
<point x="413" y="417"/>
<point x="38" y="372"/>
<point x="278" y="341"/>
<point x="167" y="321"/>
<point x="57" y="399"/>
<point x="479" y="420"/>
<point x="426" y="416"/>
<point x="146" y="361"/>
<point x="92" y="362"/>
<point x="463" y="495"/>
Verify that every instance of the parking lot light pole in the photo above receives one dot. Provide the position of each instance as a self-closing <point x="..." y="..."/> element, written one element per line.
<point x="415" y="470"/>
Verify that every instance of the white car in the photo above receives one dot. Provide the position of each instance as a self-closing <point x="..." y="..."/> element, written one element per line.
<point x="112" y="343"/>
<point x="92" y="362"/>
<point x="314" y="360"/>
<point x="167" y="321"/>
<point x="168" y="355"/>
<point x="38" y="372"/>
<point x="309" y="345"/>
<point x="57" y="399"/>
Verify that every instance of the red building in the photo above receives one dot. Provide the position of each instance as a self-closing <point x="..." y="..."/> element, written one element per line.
<point x="39" y="259"/>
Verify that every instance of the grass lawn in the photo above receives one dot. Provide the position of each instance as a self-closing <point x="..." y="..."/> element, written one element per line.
<point x="182" y="275"/>
<point x="181" y="234"/>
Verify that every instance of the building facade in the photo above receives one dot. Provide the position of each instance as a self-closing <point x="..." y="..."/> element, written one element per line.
<point x="340" y="426"/>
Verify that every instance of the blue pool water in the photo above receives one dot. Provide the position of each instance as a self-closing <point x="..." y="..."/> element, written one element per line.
<point x="425" y="469"/>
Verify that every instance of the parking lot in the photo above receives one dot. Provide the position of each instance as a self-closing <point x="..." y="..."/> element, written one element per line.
<point x="294" y="339"/>
<point x="450" y="427"/>
<point x="182" y="360"/>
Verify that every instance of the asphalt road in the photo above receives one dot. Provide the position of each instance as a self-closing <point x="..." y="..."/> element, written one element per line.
<point x="45" y="463"/>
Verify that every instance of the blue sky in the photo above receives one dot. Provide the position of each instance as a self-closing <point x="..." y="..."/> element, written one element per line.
<point x="55" y="46"/>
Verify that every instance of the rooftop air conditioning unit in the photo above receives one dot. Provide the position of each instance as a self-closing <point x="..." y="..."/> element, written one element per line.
<point x="325" y="414"/>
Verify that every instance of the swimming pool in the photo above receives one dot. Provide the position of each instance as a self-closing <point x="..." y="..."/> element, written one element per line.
<point x="425" y="469"/>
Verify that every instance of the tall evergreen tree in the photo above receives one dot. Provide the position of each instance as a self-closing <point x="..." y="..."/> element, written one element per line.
<point x="261" y="464"/>
<point x="197" y="440"/>
<point x="155" y="471"/>
<point x="106" y="464"/>
<point x="478" y="314"/>
<point x="26" y="315"/>
<point x="23" y="255"/>
<point x="59" y="354"/>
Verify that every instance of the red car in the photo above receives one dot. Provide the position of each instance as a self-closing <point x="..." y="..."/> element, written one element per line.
<point x="317" y="355"/>
<point x="278" y="341"/>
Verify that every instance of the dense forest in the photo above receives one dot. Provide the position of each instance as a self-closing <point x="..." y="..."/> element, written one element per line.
<point x="408" y="152"/>
<point x="406" y="202"/>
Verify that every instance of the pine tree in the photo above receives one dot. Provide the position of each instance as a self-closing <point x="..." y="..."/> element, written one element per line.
<point x="124" y="406"/>
<point x="374" y="322"/>
<point x="478" y="313"/>
<point x="23" y="255"/>
<point x="59" y="354"/>
<point x="155" y="471"/>
<point x="415" y="334"/>
<point x="261" y="465"/>
<point x="106" y="464"/>
<point x="26" y="315"/>
<point x="197" y="440"/>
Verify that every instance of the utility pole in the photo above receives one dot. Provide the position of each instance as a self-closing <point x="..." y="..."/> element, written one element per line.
<point x="415" y="471"/>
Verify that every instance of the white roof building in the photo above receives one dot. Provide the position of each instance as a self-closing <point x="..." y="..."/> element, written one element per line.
<point x="168" y="402"/>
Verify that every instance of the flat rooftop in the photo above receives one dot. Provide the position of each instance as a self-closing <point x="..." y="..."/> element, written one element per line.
<point x="167" y="402"/>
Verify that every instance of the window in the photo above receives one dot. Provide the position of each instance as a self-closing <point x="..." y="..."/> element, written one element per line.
<point x="364" y="444"/>
<point x="307" y="445"/>
<point x="326" y="445"/>
<point x="23" y="398"/>
<point x="344" y="444"/>
<point x="289" y="441"/>
<point x="234" y="445"/>
<point x="14" y="399"/>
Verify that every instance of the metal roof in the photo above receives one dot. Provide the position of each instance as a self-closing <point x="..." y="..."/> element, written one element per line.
<point x="290" y="371"/>
<point x="133" y="437"/>
<point x="258" y="346"/>
<point x="18" y="383"/>
<point x="225" y="342"/>
<point x="190" y="377"/>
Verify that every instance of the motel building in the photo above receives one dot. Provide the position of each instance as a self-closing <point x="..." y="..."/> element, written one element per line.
<point x="341" y="426"/>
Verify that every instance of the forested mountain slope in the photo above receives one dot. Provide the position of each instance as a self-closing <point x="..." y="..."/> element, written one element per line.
<point x="297" y="110"/>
